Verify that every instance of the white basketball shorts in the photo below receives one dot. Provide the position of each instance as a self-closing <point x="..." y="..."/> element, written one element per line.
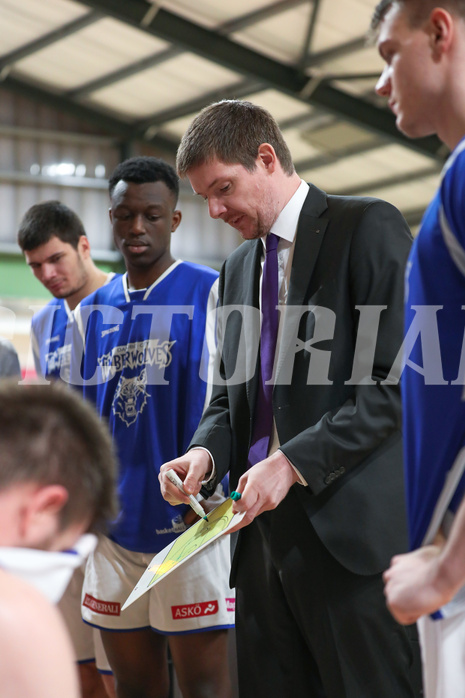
<point x="192" y="598"/>
<point x="86" y="640"/>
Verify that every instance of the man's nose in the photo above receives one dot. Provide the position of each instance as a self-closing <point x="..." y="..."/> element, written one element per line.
<point x="215" y="208"/>
<point x="138" y="225"/>
<point x="48" y="271"/>
<point x="383" y="86"/>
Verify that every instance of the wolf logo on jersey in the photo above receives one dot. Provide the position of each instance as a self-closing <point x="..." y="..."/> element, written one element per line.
<point x="130" y="397"/>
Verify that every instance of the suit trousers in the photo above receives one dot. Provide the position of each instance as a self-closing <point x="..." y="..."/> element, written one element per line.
<point x="308" y="627"/>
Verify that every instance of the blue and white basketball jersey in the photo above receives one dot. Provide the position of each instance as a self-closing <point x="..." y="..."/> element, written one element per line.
<point x="51" y="346"/>
<point x="48" y="331"/>
<point x="144" y="363"/>
<point x="433" y="379"/>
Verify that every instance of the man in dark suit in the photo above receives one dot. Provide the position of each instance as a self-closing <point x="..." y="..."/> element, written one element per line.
<point x="325" y="502"/>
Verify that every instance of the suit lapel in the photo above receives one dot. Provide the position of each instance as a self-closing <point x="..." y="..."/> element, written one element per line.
<point x="251" y="271"/>
<point x="310" y="232"/>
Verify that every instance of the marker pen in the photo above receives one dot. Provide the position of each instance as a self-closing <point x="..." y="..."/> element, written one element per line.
<point x="176" y="480"/>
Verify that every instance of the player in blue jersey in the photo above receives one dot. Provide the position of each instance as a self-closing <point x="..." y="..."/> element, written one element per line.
<point x="423" y="45"/>
<point x="143" y="344"/>
<point x="55" y="246"/>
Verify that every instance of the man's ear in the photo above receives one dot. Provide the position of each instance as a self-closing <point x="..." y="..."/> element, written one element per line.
<point x="175" y="219"/>
<point x="441" y="28"/>
<point x="267" y="157"/>
<point x="41" y="515"/>
<point x="84" y="246"/>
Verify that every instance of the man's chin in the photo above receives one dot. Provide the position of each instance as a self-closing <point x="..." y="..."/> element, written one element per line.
<point x="413" y="129"/>
<point x="248" y="233"/>
<point x="251" y="236"/>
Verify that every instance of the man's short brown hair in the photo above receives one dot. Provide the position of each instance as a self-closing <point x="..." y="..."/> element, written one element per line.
<point x="418" y="10"/>
<point x="46" y="220"/>
<point x="50" y="435"/>
<point x="231" y="131"/>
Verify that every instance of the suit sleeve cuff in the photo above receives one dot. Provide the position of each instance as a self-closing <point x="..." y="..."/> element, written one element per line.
<point x="302" y="480"/>
<point x="213" y="470"/>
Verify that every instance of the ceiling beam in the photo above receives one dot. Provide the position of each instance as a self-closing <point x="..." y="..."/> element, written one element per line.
<point x="310" y="120"/>
<point x="239" y="90"/>
<point x="228" y="27"/>
<point x="338" y="51"/>
<point x="204" y="42"/>
<point x="263" y="13"/>
<point x="285" y="78"/>
<point x="328" y="77"/>
<point x="306" y="49"/>
<point x="331" y="157"/>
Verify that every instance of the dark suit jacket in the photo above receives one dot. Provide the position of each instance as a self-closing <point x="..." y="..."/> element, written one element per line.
<point x="343" y="438"/>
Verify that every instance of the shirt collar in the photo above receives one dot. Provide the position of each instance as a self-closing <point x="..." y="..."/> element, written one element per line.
<point x="285" y="226"/>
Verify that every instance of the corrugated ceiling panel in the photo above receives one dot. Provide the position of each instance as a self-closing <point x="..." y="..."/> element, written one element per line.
<point x="211" y="13"/>
<point x="409" y="197"/>
<point x="23" y="21"/>
<point x="90" y="53"/>
<point x="282" y="37"/>
<point x="360" y="170"/>
<point x="366" y="60"/>
<point x="338" y="136"/>
<point x="165" y="86"/>
<point x="339" y="21"/>
<point x="358" y="88"/>
<point x="396" y="159"/>
<point x="109" y="45"/>
<point x="300" y="150"/>
<point x="281" y="106"/>
<point x="175" y="129"/>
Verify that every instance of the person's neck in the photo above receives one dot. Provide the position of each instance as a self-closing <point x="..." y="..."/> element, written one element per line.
<point x="290" y="184"/>
<point x="142" y="277"/>
<point x="95" y="279"/>
<point x="452" y="134"/>
<point x="449" y="113"/>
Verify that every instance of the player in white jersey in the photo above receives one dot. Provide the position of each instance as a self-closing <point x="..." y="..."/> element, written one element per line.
<point x="144" y="364"/>
<point x="423" y="45"/>
<point x="57" y="481"/>
<point x="55" y="246"/>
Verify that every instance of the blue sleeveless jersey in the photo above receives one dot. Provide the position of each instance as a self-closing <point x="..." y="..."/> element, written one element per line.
<point x="48" y="331"/>
<point x="144" y="363"/>
<point x="433" y="377"/>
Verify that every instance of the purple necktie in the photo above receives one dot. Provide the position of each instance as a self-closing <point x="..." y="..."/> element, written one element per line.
<point x="263" y="414"/>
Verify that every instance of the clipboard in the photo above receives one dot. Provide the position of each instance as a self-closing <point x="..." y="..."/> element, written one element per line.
<point x="196" y="538"/>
